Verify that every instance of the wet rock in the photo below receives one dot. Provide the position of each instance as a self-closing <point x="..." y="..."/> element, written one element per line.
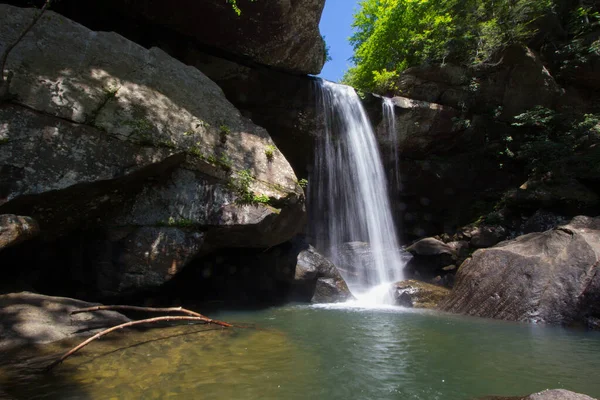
<point x="356" y="262"/>
<point x="411" y="293"/>
<point x="15" y="229"/>
<point x="318" y="280"/>
<point x="330" y="290"/>
<point x="28" y="319"/>
<point x="553" y="394"/>
<point x="430" y="257"/>
<point x="550" y="277"/>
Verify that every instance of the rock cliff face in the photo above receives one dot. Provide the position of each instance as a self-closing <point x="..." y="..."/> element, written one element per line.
<point x="550" y="277"/>
<point x="107" y="137"/>
<point x="283" y="34"/>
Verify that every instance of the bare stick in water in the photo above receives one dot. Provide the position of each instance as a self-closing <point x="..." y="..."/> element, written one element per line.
<point x="153" y="309"/>
<point x="132" y="323"/>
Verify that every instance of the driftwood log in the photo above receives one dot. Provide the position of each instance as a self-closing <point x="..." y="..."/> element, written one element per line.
<point x="191" y="316"/>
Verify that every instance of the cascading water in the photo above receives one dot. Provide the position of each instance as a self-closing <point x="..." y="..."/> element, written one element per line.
<point x="349" y="196"/>
<point x="389" y="122"/>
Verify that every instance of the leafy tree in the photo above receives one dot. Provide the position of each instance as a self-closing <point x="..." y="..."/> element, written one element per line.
<point x="392" y="35"/>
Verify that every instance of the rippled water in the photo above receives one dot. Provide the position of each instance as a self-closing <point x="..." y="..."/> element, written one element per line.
<point x="333" y="352"/>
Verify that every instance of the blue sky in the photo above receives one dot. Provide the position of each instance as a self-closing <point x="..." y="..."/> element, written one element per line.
<point x="335" y="26"/>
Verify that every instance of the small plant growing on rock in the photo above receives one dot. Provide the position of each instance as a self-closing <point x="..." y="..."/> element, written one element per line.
<point x="303" y="183"/>
<point x="240" y="185"/>
<point x="141" y="130"/>
<point x="270" y="152"/>
<point x="177" y="223"/>
<point x="224" y="131"/>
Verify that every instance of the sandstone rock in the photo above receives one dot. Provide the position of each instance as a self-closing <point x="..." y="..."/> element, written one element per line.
<point x="554" y="394"/>
<point x="550" y="277"/>
<point x="278" y="33"/>
<point x="422" y="127"/>
<point x="109" y="135"/>
<point x="411" y="293"/>
<point x="15" y="229"/>
<point x="330" y="290"/>
<point x="486" y="235"/>
<point x="542" y="221"/>
<point x="517" y="81"/>
<point x="29" y="319"/>
<point x="430" y="257"/>
<point x="317" y="279"/>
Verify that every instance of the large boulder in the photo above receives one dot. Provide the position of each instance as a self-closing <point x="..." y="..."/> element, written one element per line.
<point x="278" y="33"/>
<point x="317" y="279"/>
<point x="431" y="258"/>
<point x="15" y="229"/>
<point x="550" y="277"/>
<point x="28" y="319"/>
<point x="411" y="293"/>
<point x="105" y="134"/>
<point x="514" y="83"/>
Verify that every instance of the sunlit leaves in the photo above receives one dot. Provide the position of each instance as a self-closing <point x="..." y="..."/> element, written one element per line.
<point x="392" y="35"/>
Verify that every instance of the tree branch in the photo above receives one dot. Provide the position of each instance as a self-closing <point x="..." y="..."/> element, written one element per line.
<point x="125" y="325"/>
<point x="153" y="309"/>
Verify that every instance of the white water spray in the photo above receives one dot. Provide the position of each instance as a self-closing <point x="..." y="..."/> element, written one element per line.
<point x="389" y="124"/>
<point x="349" y="196"/>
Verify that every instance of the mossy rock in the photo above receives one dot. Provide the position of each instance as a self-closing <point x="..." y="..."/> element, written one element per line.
<point x="412" y="293"/>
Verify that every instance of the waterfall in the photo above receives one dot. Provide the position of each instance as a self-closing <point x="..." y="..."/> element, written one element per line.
<point x="349" y="194"/>
<point x="389" y="124"/>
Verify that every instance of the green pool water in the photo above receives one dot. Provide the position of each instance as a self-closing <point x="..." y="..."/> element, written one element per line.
<point x="305" y="352"/>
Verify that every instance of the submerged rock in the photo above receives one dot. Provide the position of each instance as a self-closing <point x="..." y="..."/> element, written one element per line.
<point x="550" y="277"/>
<point x="28" y="319"/>
<point x="554" y="394"/>
<point x="15" y="229"/>
<point x="411" y="293"/>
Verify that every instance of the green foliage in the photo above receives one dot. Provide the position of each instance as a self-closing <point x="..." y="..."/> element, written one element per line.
<point x="240" y="185"/>
<point x="554" y="143"/>
<point x="392" y="35"/>
<point x="177" y="223"/>
<point x="270" y="152"/>
<point x="4" y="140"/>
<point x="141" y="130"/>
<point x="224" y="131"/>
<point x="222" y="161"/>
<point x="235" y="6"/>
<point x="581" y="48"/>
<point x="303" y="183"/>
<point x="327" y="49"/>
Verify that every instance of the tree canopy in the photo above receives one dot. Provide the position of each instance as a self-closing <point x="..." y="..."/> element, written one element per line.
<point x="392" y="35"/>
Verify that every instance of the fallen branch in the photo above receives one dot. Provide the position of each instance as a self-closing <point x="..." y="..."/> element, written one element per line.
<point x="153" y="309"/>
<point x="125" y="325"/>
<point x="5" y="82"/>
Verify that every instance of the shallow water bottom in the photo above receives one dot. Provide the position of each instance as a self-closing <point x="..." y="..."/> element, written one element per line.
<point x="316" y="352"/>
